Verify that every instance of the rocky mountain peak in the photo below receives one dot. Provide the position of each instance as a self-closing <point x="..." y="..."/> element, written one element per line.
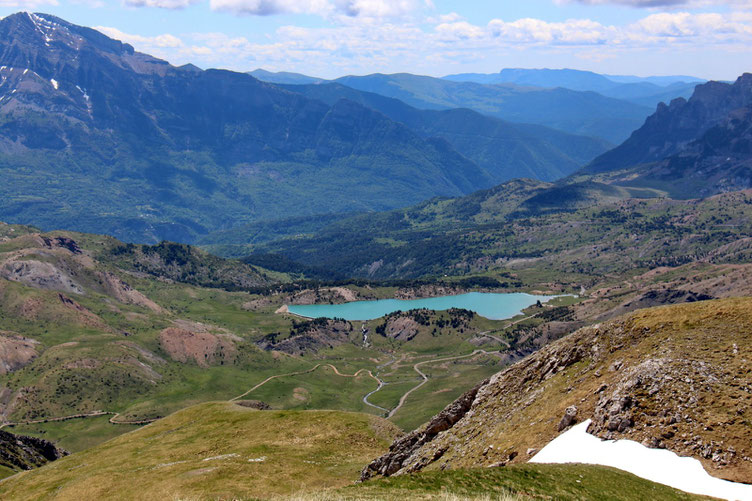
<point x="672" y="127"/>
<point x="50" y="65"/>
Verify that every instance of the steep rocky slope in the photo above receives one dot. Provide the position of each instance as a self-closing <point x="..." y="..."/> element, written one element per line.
<point x="690" y="148"/>
<point x="676" y="377"/>
<point x="18" y="452"/>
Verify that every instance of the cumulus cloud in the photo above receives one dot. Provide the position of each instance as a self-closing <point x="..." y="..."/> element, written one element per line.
<point x="26" y="4"/>
<point x="165" y="41"/>
<point x="395" y="45"/>
<point x="324" y="8"/>
<point x="663" y="3"/>
<point x="162" y="4"/>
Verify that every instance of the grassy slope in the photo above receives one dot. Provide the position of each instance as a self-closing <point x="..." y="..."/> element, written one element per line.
<point x="528" y="481"/>
<point x="99" y="363"/>
<point x="203" y="452"/>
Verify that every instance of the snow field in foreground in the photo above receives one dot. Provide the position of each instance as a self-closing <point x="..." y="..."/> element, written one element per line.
<point x="659" y="465"/>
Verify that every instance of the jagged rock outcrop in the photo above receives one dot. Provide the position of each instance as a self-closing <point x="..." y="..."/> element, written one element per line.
<point x="19" y="452"/>
<point x="675" y="377"/>
<point x="569" y="418"/>
<point x="674" y="126"/>
<point x="690" y="148"/>
<point x="403" y="448"/>
<point x="309" y="337"/>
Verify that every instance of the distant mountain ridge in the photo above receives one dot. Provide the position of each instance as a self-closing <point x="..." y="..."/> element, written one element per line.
<point x="505" y="150"/>
<point x="648" y="91"/>
<point x="576" y="112"/>
<point x="284" y="77"/>
<point x="98" y="137"/>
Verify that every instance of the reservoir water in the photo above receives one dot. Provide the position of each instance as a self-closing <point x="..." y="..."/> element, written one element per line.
<point x="494" y="306"/>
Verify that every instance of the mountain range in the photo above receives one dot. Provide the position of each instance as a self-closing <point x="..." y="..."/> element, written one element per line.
<point x="503" y="149"/>
<point x="585" y="113"/>
<point x="648" y="91"/>
<point x="98" y="137"/>
<point x="131" y="369"/>
<point x="689" y="148"/>
<point x="560" y="99"/>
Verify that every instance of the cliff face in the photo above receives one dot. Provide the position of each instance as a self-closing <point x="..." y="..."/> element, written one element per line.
<point x="19" y="452"/>
<point x="673" y="127"/>
<point x="676" y="377"/>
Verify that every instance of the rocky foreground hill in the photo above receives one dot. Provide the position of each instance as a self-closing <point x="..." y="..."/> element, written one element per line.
<point x="675" y="377"/>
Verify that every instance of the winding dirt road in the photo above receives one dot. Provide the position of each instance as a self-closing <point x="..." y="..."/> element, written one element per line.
<point x="381" y="384"/>
<point x="425" y="378"/>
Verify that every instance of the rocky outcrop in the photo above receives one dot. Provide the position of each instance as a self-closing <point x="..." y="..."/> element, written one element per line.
<point x="674" y="126"/>
<point x="401" y="328"/>
<point x="253" y="404"/>
<point x="40" y="275"/>
<point x="309" y="337"/>
<point x="328" y="295"/>
<point x="658" y="297"/>
<point x="427" y="290"/>
<point x="404" y="448"/>
<point x="19" y="452"/>
<point x="569" y="418"/>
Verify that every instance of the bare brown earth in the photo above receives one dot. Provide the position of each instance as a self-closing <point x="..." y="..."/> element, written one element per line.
<point x="126" y="294"/>
<point x="203" y="348"/>
<point x="675" y="377"/>
<point x="83" y="315"/>
<point x="15" y="352"/>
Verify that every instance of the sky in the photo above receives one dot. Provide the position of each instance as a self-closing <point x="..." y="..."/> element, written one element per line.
<point x="330" y="38"/>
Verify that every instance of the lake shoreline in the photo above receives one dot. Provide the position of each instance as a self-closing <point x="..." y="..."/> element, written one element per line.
<point x="493" y="306"/>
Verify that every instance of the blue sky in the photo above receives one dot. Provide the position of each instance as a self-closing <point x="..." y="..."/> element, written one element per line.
<point x="329" y="38"/>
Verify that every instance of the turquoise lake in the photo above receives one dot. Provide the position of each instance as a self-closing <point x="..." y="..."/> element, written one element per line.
<point x="490" y="305"/>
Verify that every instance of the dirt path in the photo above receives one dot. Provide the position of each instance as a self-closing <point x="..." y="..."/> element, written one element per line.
<point x="486" y="334"/>
<point x="55" y="419"/>
<point x="262" y="383"/>
<point x="381" y="384"/>
<point x="416" y="367"/>
<point x="112" y="420"/>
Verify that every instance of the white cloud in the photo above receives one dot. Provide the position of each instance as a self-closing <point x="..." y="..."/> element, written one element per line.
<point x="142" y="43"/>
<point x="323" y="8"/>
<point x="357" y="45"/>
<point x="26" y="4"/>
<point x="663" y="3"/>
<point x="162" y="4"/>
<point x="459" y="30"/>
